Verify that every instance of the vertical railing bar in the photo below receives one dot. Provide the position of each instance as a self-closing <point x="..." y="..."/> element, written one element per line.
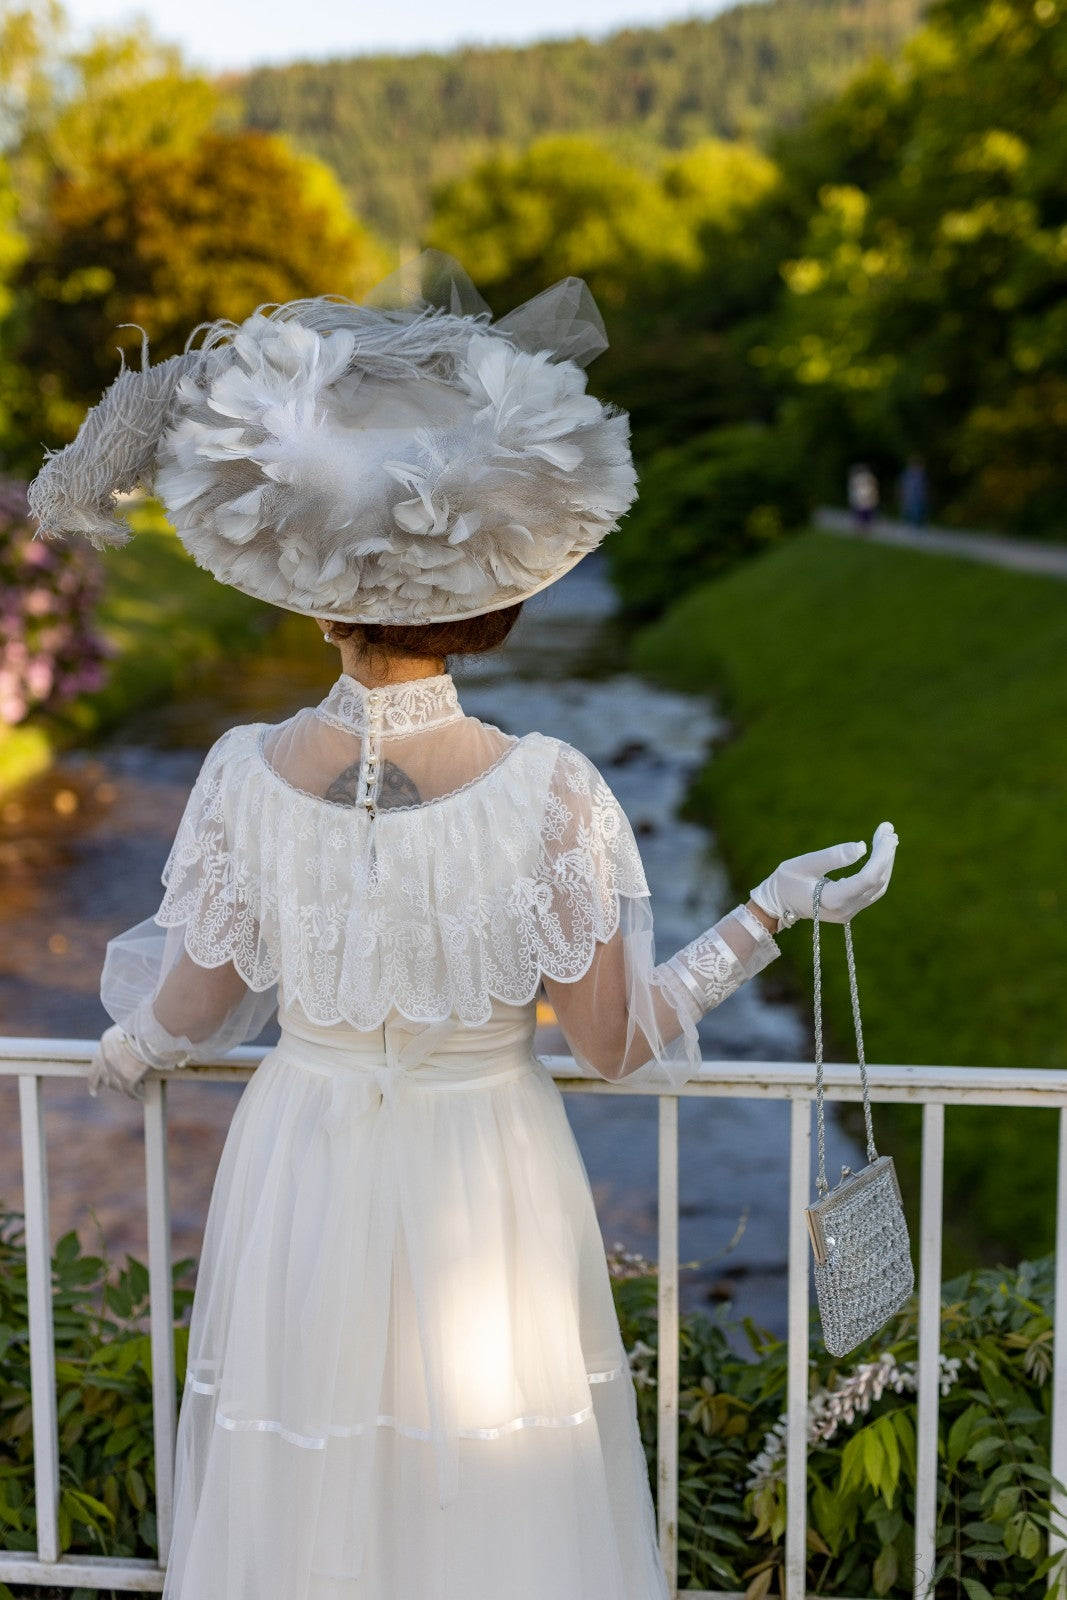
<point x="796" y="1469"/>
<point x="667" y="1364"/>
<point x="42" y="1338"/>
<point x="1057" y="1540"/>
<point x="161" y="1295"/>
<point x="929" y="1369"/>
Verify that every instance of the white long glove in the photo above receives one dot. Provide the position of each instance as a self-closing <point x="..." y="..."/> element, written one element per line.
<point x="787" y="893"/>
<point x="115" y="1065"/>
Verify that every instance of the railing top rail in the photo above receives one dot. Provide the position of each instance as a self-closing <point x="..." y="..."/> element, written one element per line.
<point x="775" y="1080"/>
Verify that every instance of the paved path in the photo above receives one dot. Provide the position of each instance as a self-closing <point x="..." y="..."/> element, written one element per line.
<point x="1019" y="555"/>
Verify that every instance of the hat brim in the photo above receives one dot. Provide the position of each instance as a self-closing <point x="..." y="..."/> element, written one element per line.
<point x="372" y="616"/>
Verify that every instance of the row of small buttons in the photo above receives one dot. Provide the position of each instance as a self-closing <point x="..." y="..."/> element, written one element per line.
<point x="370" y="755"/>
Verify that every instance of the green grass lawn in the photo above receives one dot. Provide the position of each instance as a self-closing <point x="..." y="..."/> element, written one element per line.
<point x="863" y="683"/>
<point x="165" y="617"/>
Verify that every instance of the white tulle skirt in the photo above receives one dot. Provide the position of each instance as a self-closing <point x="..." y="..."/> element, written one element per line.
<point x="406" y="1380"/>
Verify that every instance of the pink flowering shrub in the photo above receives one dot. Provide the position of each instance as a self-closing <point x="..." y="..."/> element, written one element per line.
<point x="50" y="648"/>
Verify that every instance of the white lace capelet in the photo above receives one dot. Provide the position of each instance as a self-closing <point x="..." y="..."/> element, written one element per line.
<point x="384" y="854"/>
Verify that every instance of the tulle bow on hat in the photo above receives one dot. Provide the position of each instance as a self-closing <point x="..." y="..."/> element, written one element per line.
<point x="402" y="461"/>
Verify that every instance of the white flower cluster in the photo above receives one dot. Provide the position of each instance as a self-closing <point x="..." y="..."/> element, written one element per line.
<point x="623" y="1263"/>
<point x="642" y="1363"/>
<point x="851" y="1396"/>
<point x="293" y="472"/>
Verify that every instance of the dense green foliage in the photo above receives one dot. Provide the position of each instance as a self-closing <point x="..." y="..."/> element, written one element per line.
<point x="394" y="128"/>
<point x="924" y="308"/>
<point x="868" y="682"/>
<point x="993" y="1514"/>
<point x="567" y="205"/>
<point x="892" y="287"/>
<point x="644" y="235"/>
<point x="994" y="1438"/>
<point x="703" y="506"/>
<point x="166" y="240"/>
<point x="135" y="201"/>
<point x="104" y="1394"/>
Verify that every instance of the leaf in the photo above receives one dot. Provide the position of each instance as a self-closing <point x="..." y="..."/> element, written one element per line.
<point x="887" y="1438"/>
<point x="886" y="1567"/>
<point x="976" y="1590"/>
<point x="874" y="1460"/>
<point x="1030" y="1540"/>
<point x="990" y="1532"/>
<point x="904" y="1428"/>
<point x="67" y="1249"/>
<point x="962" y="1432"/>
<point x="1006" y="1502"/>
<point x="135" y="1488"/>
<point x="760" y="1586"/>
<point x="984" y="1448"/>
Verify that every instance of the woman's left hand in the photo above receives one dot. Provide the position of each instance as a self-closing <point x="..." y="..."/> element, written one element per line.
<point x="787" y="893"/>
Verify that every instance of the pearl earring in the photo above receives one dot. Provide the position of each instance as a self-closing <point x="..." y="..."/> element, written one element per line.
<point x="327" y="638"/>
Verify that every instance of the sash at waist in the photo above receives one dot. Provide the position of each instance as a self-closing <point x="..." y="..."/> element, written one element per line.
<point x="443" y="1055"/>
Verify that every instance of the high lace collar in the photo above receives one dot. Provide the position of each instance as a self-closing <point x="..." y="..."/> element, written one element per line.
<point x="392" y="708"/>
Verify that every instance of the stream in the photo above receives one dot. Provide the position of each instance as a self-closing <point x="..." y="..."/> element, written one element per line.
<point x="80" y="855"/>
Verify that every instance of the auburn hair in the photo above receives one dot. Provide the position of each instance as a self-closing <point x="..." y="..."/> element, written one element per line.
<point x="470" y="636"/>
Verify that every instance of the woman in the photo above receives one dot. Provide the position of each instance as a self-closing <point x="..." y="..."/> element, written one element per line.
<point x="405" y="1377"/>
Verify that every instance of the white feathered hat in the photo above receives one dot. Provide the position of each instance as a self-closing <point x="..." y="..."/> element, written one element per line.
<point x="402" y="461"/>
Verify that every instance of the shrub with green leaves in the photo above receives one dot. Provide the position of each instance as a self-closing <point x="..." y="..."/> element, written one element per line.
<point x="104" y="1395"/>
<point x="993" y="1514"/>
<point x="703" y="506"/>
<point x="993" y="1510"/>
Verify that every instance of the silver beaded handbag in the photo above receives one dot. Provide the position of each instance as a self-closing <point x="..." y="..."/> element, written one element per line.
<point x="863" y="1270"/>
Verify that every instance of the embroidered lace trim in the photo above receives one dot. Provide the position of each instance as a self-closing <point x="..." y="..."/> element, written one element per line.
<point x="709" y="969"/>
<point x="394" y="709"/>
<point x="433" y="912"/>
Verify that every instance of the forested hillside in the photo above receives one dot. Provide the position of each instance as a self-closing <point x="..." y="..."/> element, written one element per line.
<point x="395" y="127"/>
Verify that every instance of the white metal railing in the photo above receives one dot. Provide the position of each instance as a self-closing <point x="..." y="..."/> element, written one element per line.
<point x="32" y="1060"/>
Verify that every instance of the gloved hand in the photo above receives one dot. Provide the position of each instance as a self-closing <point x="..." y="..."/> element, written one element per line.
<point x="787" y="893"/>
<point x="116" y="1066"/>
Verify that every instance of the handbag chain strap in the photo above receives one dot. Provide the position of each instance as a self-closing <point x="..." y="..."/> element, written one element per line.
<point x="850" y="955"/>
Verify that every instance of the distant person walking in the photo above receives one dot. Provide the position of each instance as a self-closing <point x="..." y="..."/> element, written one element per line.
<point x="862" y="495"/>
<point x="914" y="493"/>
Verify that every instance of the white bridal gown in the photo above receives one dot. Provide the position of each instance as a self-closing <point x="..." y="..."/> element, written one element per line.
<point x="406" y="1380"/>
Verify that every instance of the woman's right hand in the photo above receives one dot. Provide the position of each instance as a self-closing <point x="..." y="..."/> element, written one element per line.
<point x="787" y="894"/>
<point x="115" y="1065"/>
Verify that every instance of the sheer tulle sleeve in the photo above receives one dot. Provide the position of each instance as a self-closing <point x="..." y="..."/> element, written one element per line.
<point x="625" y="1015"/>
<point x="174" y="1005"/>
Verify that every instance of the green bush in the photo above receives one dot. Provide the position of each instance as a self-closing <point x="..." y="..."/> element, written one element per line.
<point x="993" y="1505"/>
<point x="104" y="1395"/>
<point x="703" y="506"/>
<point x="993" y="1513"/>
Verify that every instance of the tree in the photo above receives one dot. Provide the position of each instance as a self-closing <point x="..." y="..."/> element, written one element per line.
<point x="63" y="108"/>
<point x="564" y="206"/>
<point x="167" y="240"/>
<point x="395" y="128"/>
<point x="924" y="309"/>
